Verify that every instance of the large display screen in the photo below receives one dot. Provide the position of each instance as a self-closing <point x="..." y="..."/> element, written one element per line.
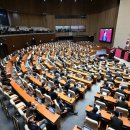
<point x="72" y="28"/>
<point x="106" y="35"/>
<point x="4" y="18"/>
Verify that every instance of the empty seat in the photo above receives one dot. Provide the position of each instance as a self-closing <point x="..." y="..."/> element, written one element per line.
<point x="48" y="100"/>
<point x="124" y="111"/>
<point x="71" y="93"/>
<point x="110" y="84"/>
<point x="39" y="94"/>
<point x="92" y="124"/>
<point x="118" y="95"/>
<point x="51" y="84"/>
<point x="119" y="79"/>
<point x="105" y="92"/>
<point x="100" y="103"/>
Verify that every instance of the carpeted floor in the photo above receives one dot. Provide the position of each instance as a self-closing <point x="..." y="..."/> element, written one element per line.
<point x="68" y="122"/>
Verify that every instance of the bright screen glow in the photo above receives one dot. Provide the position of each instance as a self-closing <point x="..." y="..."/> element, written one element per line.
<point x="106" y="35"/>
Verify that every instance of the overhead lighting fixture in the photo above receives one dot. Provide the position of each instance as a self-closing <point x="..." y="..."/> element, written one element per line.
<point x="60" y="0"/>
<point x="75" y="1"/>
<point x="44" y="0"/>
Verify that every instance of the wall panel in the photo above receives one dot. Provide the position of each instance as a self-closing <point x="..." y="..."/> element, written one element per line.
<point x="15" y="42"/>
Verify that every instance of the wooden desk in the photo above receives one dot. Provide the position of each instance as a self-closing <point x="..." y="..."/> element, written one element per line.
<point x="59" y="64"/>
<point x="23" y="67"/>
<point x="82" y="90"/>
<point x="109" y="99"/>
<point x="44" y="57"/>
<point x="89" y="83"/>
<point x="36" y="81"/>
<point x="25" y="57"/>
<point x="120" y="82"/>
<point x="9" y="66"/>
<point x="69" y="100"/>
<point x="107" y="116"/>
<point x="49" y="66"/>
<point x="115" y="89"/>
<point x="52" y="117"/>
<point x="76" y="71"/>
<point x="126" y="77"/>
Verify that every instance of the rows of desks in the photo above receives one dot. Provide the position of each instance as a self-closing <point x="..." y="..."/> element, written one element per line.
<point x="109" y="99"/>
<point x="41" y="108"/>
<point x="53" y="117"/>
<point x="106" y="115"/>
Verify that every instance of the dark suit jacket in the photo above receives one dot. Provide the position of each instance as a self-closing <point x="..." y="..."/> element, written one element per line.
<point x="121" y="91"/>
<point x="53" y="95"/>
<point x="108" y="88"/>
<point x="67" y="86"/>
<point x="56" y="81"/>
<point x="76" y="90"/>
<point x="94" y="116"/>
<point x="116" y="123"/>
<point x="122" y="104"/>
<point x="42" y="89"/>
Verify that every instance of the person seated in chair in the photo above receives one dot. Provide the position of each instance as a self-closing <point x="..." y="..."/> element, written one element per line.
<point x="106" y="87"/>
<point x="64" y="107"/>
<point x="122" y="103"/>
<point x="115" y="122"/>
<point x="67" y="86"/>
<point x="56" y="71"/>
<point x="121" y="90"/>
<point x="33" y="124"/>
<point x="117" y="74"/>
<point x="94" y="115"/>
<point x="75" y="89"/>
<point x="56" y="81"/>
<point x="42" y="88"/>
<point x="30" y="109"/>
<point x="108" y="73"/>
<point x="53" y="94"/>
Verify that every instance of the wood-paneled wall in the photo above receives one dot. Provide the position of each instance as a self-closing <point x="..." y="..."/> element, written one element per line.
<point x="100" y="13"/>
<point x="18" y="19"/>
<point x="15" y="42"/>
<point x="107" y="17"/>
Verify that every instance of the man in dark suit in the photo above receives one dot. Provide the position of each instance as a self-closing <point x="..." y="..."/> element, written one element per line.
<point x="115" y="122"/>
<point x="122" y="103"/>
<point x="121" y="90"/>
<point x="56" y="81"/>
<point x="67" y="86"/>
<point x="76" y="90"/>
<point x="93" y="114"/>
<point x="42" y="89"/>
<point x="52" y="94"/>
<point x="118" y="74"/>
<point x="106" y="87"/>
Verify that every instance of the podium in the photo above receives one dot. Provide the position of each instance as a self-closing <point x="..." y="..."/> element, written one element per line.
<point x="120" y="53"/>
<point x="127" y="56"/>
